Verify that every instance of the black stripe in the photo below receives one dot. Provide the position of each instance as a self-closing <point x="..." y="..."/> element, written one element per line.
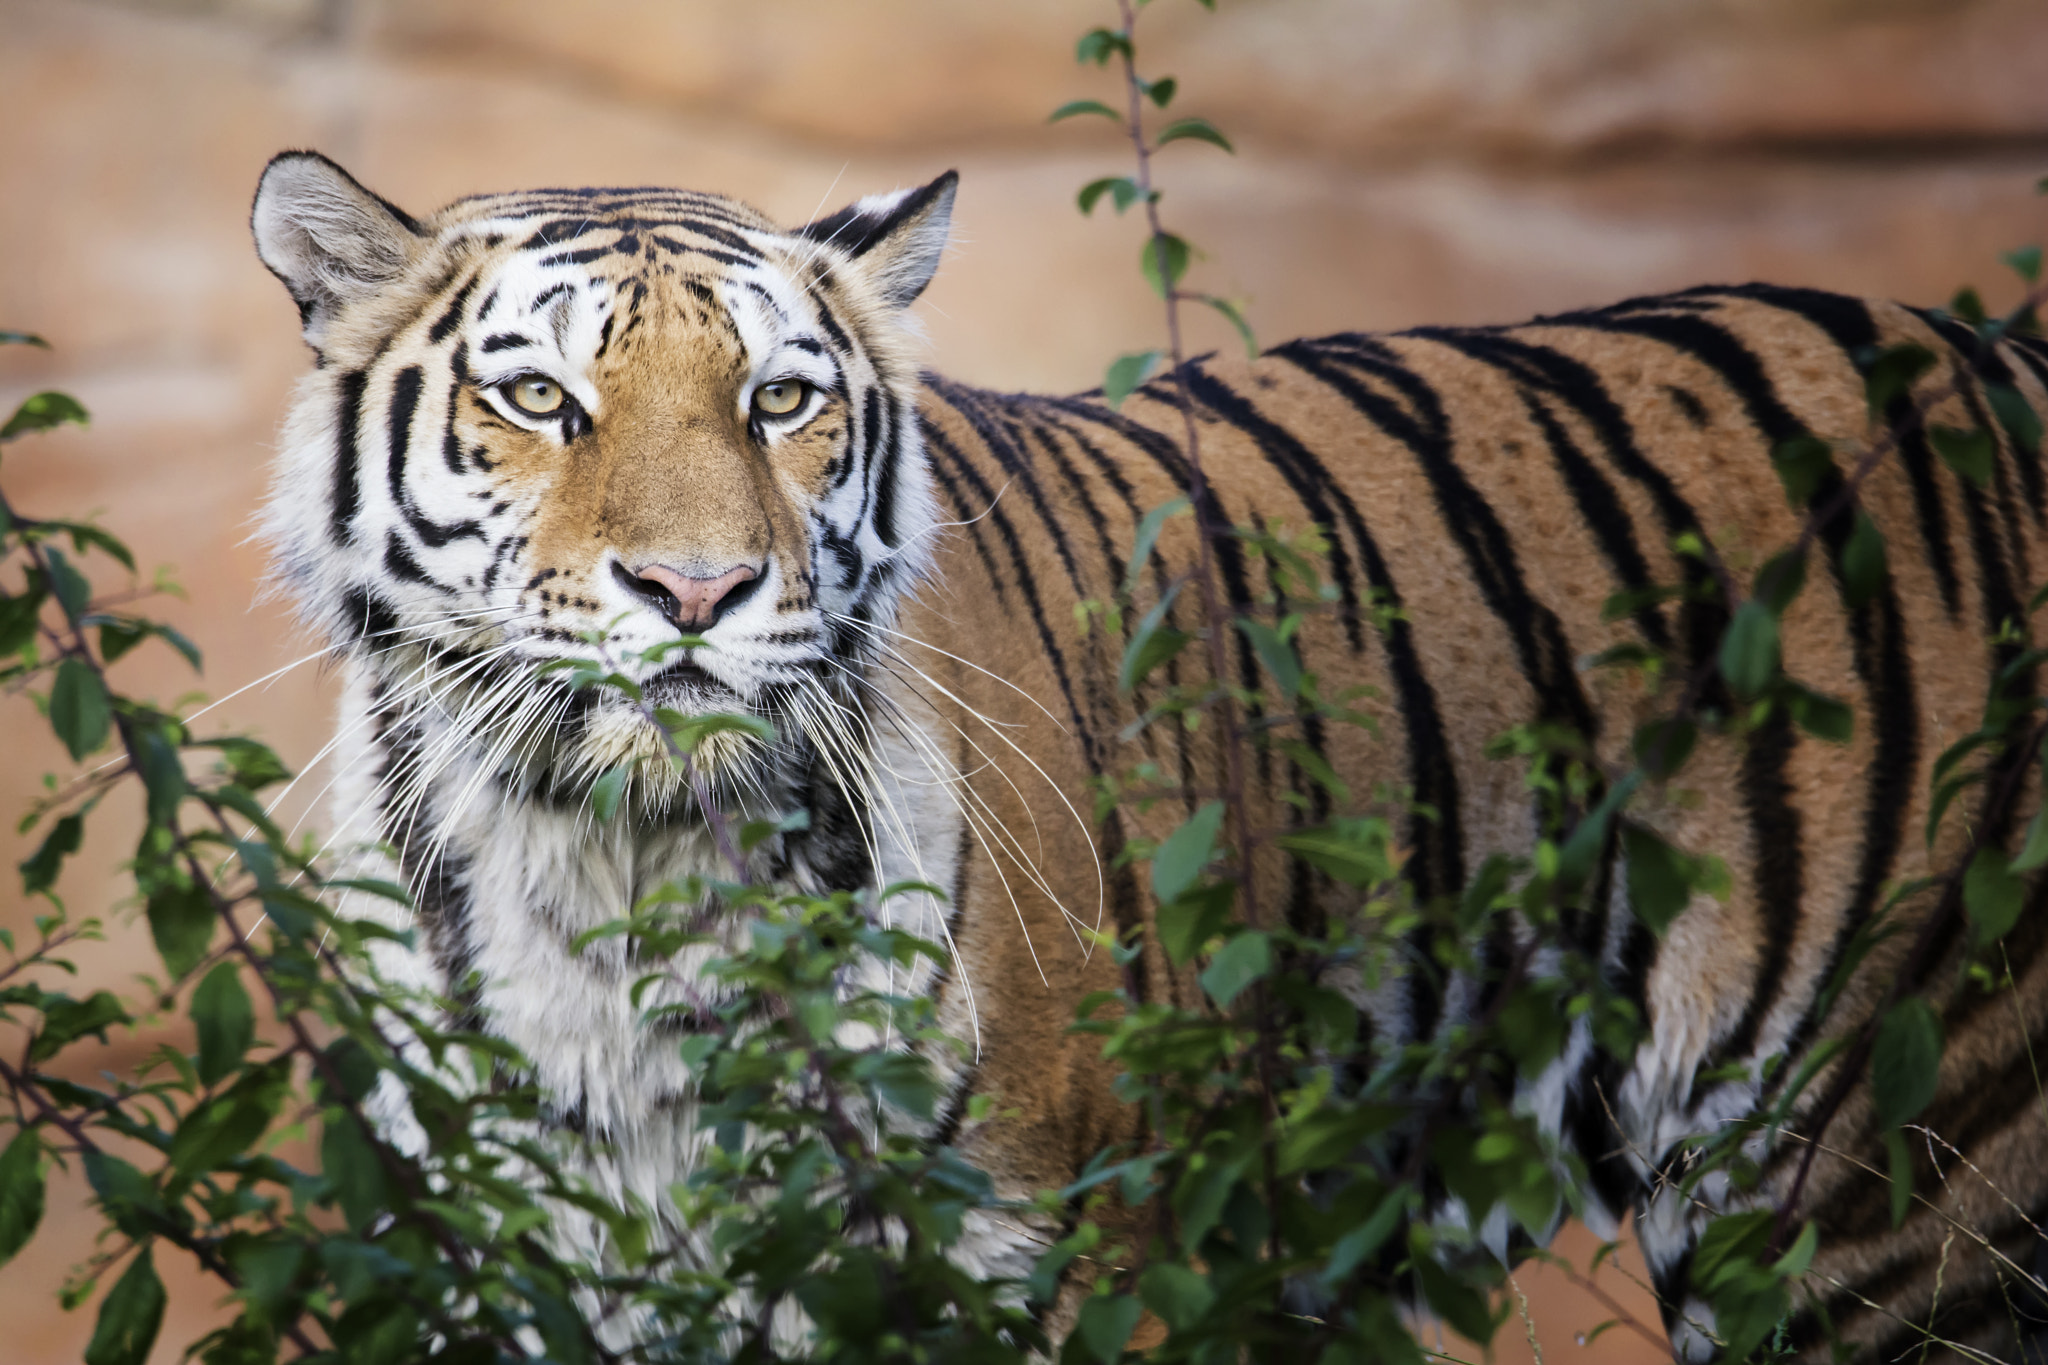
<point x="668" y="244"/>
<point x="1495" y="569"/>
<point x="1779" y="871"/>
<point x="347" y="491"/>
<point x="405" y="398"/>
<point x="377" y="618"/>
<point x="449" y="320"/>
<point x="1438" y="867"/>
<point x="400" y="564"/>
<point x="937" y="441"/>
<point x="1704" y="615"/>
<point x="1601" y="510"/>
<point x="1988" y="364"/>
<point x="506" y="341"/>
<point x="998" y="521"/>
<point x="887" y="478"/>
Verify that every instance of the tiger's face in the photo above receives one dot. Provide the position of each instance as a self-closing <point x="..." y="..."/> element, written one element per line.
<point x="584" y="425"/>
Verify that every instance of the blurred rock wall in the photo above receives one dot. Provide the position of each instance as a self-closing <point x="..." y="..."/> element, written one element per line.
<point x="1399" y="162"/>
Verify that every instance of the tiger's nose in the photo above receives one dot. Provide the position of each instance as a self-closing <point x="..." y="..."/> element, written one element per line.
<point x="693" y="603"/>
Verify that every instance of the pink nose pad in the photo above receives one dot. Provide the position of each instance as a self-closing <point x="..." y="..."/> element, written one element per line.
<point x="697" y="599"/>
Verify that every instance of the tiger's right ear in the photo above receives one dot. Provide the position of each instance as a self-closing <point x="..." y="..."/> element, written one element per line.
<point x="326" y="237"/>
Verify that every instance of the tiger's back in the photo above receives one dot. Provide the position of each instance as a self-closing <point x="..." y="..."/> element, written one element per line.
<point x="1495" y="488"/>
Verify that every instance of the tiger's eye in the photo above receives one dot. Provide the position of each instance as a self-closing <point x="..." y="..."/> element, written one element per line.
<point x="780" y="398"/>
<point x="536" y="395"/>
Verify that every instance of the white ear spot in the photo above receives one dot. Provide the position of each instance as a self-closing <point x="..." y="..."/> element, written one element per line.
<point x="896" y="239"/>
<point x="326" y="237"/>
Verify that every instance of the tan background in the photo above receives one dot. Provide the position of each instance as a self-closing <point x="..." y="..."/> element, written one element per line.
<point x="1400" y="162"/>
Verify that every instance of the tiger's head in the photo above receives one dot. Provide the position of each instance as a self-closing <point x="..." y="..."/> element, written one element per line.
<point x="572" y="425"/>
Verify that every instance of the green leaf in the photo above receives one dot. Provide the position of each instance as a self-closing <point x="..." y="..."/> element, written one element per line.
<point x="22" y="339"/>
<point x="1160" y="92"/>
<point x="267" y="1266"/>
<point x="1100" y="44"/>
<point x="1236" y="319"/>
<point x="355" y="1178"/>
<point x="40" y="412"/>
<point x="39" y="870"/>
<point x="163" y="775"/>
<point x="67" y="1019"/>
<point x="1153" y="643"/>
<point x="18" y="614"/>
<point x="1075" y="107"/>
<point x="2016" y="415"/>
<point x="1362" y="1241"/>
<point x="118" y="637"/>
<point x="67" y="584"/>
<point x="1820" y="715"/>
<point x="606" y="791"/>
<point x="21" y="1192"/>
<point x="79" y="711"/>
<point x="691" y="731"/>
<point x="181" y="921"/>
<point x="1780" y="581"/>
<point x="225" y="1020"/>
<point x="129" y="1317"/>
<point x="221" y="1129"/>
<point x="1276" y="654"/>
<point x="1899" y="1167"/>
<point x="1163" y="260"/>
<point x="1662" y="746"/>
<point x="1659" y="880"/>
<point x="1863" y="561"/>
<point x="1451" y="1299"/>
<point x="1178" y="1294"/>
<point x="1106" y="1322"/>
<point x="1905" y="1064"/>
<point x="1199" y="129"/>
<point x="1237" y="964"/>
<point x="1968" y="305"/>
<point x="1992" y="896"/>
<point x="1184" y="853"/>
<point x="125" y="1194"/>
<point x="2025" y="261"/>
<point x="2034" y="852"/>
<point x="1124" y="375"/>
<point x="1970" y="453"/>
<point x="1121" y="189"/>
<point x="1588" y="839"/>
<point x="1795" y="1261"/>
<point x="1355" y="852"/>
<point x="1749" y="651"/>
<point x="1188" y="923"/>
<point x="1802" y="463"/>
<point x="1149" y="527"/>
<point x="1888" y="374"/>
<point x="84" y="536"/>
<point x="1482" y="895"/>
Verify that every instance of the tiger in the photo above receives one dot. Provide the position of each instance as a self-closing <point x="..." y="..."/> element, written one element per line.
<point x="574" y="424"/>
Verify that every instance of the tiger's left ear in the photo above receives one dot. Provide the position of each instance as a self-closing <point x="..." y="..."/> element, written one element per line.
<point x="895" y="239"/>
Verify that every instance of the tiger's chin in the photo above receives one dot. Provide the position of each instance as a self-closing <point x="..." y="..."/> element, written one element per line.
<point x="738" y="766"/>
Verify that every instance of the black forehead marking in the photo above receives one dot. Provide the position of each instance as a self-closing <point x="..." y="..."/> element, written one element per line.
<point x="583" y="257"/>
<point x="483" y="310"/>
<point x="774" y="306"/>
<point x="506" y="341"/>
<point x="547" y="296"/>
<point x="674" y="247"/>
